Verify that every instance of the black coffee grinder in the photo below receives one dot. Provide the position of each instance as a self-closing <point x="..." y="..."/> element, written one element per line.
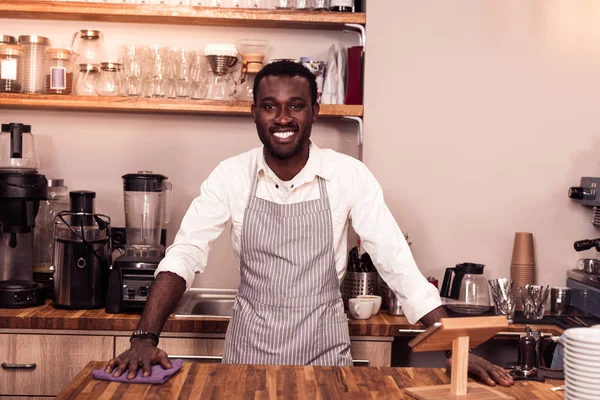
<point x="21" y="189"/>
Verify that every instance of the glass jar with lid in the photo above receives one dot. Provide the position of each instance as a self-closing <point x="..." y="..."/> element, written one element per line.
<point x="86" y="80"/>
<point x="109" y="80"/>
<point x="10" y="58"/>
<point x="7" y="39"/>
<point x="33" y="62"/>
<point x="59" y="75"/>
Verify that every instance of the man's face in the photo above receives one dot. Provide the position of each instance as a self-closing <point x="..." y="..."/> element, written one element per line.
<point x="284" y="115"/>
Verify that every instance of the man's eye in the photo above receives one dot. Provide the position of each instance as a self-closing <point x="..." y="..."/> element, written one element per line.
<point x="297" y="106"/>
<point x="268" y="106"/>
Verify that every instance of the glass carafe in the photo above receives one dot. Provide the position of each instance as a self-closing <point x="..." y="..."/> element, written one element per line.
<point x="474" y="295"/>
<point x="147" y="208"/>
<point x="88" y="46"/>
<point x="17" y="148"/>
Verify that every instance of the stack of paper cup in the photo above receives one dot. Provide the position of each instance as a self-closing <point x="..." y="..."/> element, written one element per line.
<point x="582" y="362"/>
<point x="522" y="269"/>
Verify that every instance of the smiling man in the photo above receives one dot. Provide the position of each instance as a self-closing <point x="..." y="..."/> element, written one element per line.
<point x="290" y="204"/>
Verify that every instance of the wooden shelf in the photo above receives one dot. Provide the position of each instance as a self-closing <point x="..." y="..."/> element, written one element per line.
<point x="178" y="15"/>
<point x="143" y="105"/>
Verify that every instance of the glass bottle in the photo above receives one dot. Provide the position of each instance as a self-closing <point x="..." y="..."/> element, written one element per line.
<point x="59" y="73"/>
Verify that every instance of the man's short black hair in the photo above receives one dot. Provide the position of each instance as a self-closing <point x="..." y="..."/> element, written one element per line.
<point x="287" y="68"/>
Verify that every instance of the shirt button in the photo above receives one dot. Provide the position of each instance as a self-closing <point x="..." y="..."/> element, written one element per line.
<point x="276" y="186"/>
<point x="292" y="186"/>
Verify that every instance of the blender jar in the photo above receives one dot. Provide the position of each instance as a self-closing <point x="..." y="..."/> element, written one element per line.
<point x="147" y="207"/>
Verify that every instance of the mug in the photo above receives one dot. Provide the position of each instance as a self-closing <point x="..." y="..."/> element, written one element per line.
<point x="360" y="309"/>
<point x="589" y="265"/>
<point x="375" y="299"/>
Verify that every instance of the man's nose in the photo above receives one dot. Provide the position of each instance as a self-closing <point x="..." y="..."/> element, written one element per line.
<point x="283" y="117"/>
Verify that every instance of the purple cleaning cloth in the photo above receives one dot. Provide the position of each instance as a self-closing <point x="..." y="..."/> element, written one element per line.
<point x="158" y="375"/>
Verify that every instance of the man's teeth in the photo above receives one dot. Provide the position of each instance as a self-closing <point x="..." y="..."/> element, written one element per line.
<point x="283" y="135"/>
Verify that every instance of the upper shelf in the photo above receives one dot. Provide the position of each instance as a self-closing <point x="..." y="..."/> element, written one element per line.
<point x="143" y="105"/>
<point x="177" y="15"/>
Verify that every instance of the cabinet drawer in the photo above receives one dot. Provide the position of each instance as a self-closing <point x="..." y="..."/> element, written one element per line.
<point x="376" y="353"/>
<point x="58" y="359"/>
<point x="201" y="350"/>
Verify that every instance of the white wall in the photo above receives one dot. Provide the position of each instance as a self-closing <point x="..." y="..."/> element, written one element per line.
<point x="93" y="150"/>
<point x="479" y="116"/>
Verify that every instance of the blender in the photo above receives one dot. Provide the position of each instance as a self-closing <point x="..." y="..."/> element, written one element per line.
<point x="147" y="208"/>
<point x="253" y="53"/>
<point x="221" y="58"/>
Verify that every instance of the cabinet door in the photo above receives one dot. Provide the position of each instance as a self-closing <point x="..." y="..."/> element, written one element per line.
<point x="201" y="350"/>
<point x="374" y="353"/>
<point x="58" y="359"/>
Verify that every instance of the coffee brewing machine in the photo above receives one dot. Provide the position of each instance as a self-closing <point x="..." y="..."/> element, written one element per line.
<point x="21" y="189"/>
<point x="585" y="282"/>
<point x="147" y="207"/>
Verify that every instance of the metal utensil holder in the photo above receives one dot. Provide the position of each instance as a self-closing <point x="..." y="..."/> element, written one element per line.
<point x="359" y="283"/>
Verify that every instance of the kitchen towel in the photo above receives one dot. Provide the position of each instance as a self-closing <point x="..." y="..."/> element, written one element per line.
<point x="158" y="375"/>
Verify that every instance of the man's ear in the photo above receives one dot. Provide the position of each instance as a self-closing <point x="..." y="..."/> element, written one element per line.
<point x="316" y="109"/>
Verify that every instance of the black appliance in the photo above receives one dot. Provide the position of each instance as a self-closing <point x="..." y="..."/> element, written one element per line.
<point x="450" y="286"/>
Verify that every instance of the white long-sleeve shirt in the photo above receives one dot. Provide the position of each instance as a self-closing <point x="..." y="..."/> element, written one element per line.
<point x="355" y="197"/>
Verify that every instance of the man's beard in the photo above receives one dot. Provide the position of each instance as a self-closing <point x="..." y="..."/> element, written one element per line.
<point x="285" y="153"/>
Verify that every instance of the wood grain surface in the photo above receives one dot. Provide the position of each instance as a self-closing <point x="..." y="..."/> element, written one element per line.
<point x="145" y="105"/>
<point x="133" y="13"/>
<point x="219" y="381"/>
<point x="50" y="317"/>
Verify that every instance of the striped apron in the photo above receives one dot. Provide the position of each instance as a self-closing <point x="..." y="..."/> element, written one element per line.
<point x="288" y="310"/>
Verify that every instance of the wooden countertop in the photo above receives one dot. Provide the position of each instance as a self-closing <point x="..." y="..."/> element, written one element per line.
<point x="50" y="317"/>
<point x="220" y="381"/>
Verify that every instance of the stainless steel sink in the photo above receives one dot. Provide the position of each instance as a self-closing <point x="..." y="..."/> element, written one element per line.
<point x="206" y="303"/>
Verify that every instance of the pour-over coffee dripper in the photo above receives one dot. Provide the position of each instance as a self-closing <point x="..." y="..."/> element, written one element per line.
<point x="221" y="58"/>
<point x="253" y="53"/>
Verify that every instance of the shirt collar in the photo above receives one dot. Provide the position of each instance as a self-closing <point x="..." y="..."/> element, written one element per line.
<point x="313" y="167"/>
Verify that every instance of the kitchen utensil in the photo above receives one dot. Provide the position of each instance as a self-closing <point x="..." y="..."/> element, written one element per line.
<point x="32" y="73"/>
<point x="221" y="58"/>
<point x="474" y="296"/>
<point x="359" y="283"/>
<point x="505" y="295"/>
<point x="183" y="61"/>
<point x="253" y="54"/>
<point x="529" y="357"/>
<point x="560" y="300"/>
<point x="393" y="304"/>
<point x="81" y="254"/>
<point x="534" y="299"/>
<point x="88" y="46"/>
<point x="361" y="308"/>
<point x="459" y="272"/>
<point x="375" y="299"/>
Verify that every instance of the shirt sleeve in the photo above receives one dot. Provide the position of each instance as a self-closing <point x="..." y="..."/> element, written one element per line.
<point x="203" y="222"/>
<point x="384" y="241"/>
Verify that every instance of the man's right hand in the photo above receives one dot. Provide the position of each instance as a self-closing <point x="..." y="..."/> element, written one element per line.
<point x="142" y="353"/>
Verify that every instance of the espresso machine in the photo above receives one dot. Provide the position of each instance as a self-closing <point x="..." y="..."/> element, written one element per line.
<point x="21" y="189"/>
<point x="585" y="281"/>
<point x="81" y="256"/>
<point x="147" y="208"/>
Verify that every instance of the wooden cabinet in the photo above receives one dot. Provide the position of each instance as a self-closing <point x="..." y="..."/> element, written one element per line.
<point x="194" y="349"/>
<point x="58" y="359"/>
<point x="372" y="351"/>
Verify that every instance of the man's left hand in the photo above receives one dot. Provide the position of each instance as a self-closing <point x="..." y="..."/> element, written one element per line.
<point x="486" y="371"/>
